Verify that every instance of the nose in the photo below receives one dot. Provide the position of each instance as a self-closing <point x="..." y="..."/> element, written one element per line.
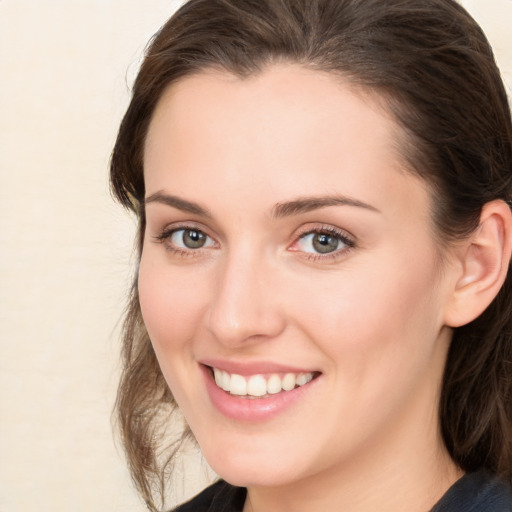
<point x="245" y="303"/>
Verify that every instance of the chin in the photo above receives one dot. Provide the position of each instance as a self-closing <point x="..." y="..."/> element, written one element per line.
<point x="245" y="469"/>
<point x="267" y="476"/>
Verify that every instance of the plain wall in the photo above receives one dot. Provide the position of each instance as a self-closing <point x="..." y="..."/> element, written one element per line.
<point x="65" y="247"/>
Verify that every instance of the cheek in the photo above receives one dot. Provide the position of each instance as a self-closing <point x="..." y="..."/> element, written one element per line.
<point x="377" y="316"/>
<point x="171" y="302"/>
<point x="380" y="333"/>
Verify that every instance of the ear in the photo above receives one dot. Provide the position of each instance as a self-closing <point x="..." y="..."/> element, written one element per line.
<point x="483" y="264"/>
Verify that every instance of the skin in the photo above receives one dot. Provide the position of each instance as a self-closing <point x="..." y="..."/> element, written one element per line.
<point x="370" y="316"/>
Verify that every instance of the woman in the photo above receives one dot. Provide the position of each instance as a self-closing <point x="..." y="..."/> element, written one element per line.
<point x="323" y="191"/>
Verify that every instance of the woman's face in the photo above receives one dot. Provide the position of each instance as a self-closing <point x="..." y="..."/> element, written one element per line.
<point x="288" y="251"/>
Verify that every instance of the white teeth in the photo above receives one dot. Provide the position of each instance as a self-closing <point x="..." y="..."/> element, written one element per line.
<point x="238" y="385"/>
<point x="258" y="385"/>
<point x="274" y="385"/>
<point x="226" y="381"/>
<point x="304" y="378"/>
<point x="289" y="382"/>
<point x="218" y="377"/>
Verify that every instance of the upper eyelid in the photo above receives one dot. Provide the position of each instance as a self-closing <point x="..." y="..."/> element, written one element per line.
<point x="345" y="236"/>
<point x="165" y="238"/>
<point x="159" y="224"/>
<point x="191" y="225"/>
<point x="298" y="233"/>
<point x="164" y="235"/>
<point x="325" y="228"/>
<point x="333" y="257"/>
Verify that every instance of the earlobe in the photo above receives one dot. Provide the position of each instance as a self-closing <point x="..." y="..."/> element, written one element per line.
<point x="484" y="259"/>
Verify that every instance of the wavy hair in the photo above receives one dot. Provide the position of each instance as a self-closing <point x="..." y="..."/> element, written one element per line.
<point x="434" y="69"/>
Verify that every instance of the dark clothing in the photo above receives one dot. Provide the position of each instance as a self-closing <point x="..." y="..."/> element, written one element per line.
<point x="219" y="497"/>
<point x="474" y="492"/>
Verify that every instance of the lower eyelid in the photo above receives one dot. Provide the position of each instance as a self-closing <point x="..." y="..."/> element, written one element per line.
<point x="330" y="257"/>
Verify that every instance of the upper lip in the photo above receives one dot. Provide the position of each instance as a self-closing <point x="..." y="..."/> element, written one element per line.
<point x="252" y="367"/>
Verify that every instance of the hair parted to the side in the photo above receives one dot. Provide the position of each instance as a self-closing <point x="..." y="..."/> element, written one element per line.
<point x="433" y="67"/>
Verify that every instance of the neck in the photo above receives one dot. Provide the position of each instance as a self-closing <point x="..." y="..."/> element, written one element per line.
<point x="367" y="484"/>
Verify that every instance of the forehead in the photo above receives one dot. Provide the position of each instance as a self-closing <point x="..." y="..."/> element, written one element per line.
<point x="285" y="99"/>
<point x="287" y="129"/>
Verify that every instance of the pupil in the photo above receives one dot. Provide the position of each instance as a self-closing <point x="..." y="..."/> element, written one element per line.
<point x="325" y="243"/>
<point x="194" y="239"/>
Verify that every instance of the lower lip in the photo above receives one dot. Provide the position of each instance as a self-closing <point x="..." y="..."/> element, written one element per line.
<point x="252" y="409"/>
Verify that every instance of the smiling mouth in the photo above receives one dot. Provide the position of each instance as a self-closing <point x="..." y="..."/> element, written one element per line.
<point x="260" y="386"/>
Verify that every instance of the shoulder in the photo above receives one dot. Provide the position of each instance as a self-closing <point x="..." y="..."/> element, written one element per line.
<point x="219" y="497"/>
<point x="477" y="492"/>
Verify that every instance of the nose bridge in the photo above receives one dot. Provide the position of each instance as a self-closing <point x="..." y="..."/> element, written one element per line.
<point x="243" y="305"/>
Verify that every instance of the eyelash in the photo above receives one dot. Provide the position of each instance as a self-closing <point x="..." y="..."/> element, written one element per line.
<point x="332" y="231"/>
<point x="166" y="235"/>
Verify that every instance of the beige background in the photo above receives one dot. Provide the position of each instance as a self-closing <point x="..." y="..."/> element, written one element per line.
<point x="65" y="71"/>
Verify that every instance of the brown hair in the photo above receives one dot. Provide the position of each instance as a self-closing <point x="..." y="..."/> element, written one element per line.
<point x="432" y="65"/>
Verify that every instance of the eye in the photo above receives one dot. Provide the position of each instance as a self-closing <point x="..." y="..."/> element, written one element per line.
<point x="190" y="239"/>
<point x="323" y="242"/>
<point x="185" y="240"/>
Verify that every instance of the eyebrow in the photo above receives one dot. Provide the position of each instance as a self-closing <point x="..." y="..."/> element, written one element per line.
<point x="307" y="204"/>
<point x="285" y="209"/>
<point x="177" y="202"/>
